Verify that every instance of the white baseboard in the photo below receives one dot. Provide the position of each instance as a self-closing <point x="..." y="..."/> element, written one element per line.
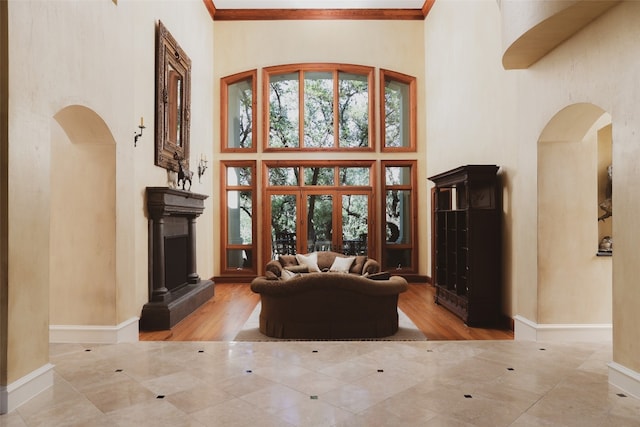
<point x="625" y="379"/>
<point x="20" y="391"/>
<point x="126" y="331"/>
<point x="526" y="330"/>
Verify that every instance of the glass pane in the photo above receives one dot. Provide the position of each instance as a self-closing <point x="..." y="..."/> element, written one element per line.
<point x="318" y="176"/>
<point x="239" y="213"/>
<point x="239" y="176"/>
<point x="354" y="176"/>
<point x="398" y="216"/>
<point x="355" y="213"/>
<point x="397" y="114"/>
<point x="398" y="175"/>
<point x="174" y="105"/>
<point x="354" y="110"/>
<point x="283" y="176"/>
<point x="239" y="259"/>
<point x="240" y="115"/>
<point x="283" y="224"/>
<point x="284" y="111"/>
<point x="319" y="222"/>
<point x="318" y="109"/>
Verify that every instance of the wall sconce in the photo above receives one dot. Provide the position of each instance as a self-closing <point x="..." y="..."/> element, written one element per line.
<point x="138" y="135"/>
<point x="202" y="166"/>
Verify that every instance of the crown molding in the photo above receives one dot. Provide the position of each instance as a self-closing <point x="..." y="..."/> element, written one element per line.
<point x="317" y="14"/>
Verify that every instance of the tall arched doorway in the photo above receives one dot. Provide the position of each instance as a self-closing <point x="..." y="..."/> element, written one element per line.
<point x="574" y="279"/>
<point x="83" y="220"/>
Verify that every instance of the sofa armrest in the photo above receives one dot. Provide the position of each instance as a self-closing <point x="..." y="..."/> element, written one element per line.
<point x="371" y="267"/>
<point x="275" y="267"/>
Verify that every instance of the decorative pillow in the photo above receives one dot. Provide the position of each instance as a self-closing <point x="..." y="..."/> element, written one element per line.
<point x="297" y="268"/>
<point x="286" y="274"/>
<point x="310" y="261"/>
<point x="342" y="264"/>
<point x="287" y="260"/>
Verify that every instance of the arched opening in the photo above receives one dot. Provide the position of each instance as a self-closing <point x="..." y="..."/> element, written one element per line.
<point x="574" y="282"/>
<point x="82" y="228"/>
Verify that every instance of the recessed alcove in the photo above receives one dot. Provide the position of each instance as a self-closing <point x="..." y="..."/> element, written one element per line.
<point x="175" y="288"/>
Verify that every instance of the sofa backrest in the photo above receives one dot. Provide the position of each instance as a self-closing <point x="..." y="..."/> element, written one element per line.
<point x="325" y="260"/>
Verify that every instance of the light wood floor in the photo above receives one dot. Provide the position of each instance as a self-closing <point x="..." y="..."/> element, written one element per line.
<point x="220" y="318"/>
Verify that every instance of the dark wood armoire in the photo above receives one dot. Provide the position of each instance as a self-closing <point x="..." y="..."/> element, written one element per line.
<point x="467" y="274"/>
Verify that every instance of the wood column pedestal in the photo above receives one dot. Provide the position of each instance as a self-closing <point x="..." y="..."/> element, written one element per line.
<point x="175" y="288"/>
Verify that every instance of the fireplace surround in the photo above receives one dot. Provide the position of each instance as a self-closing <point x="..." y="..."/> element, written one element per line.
<point x="175" y="288"/>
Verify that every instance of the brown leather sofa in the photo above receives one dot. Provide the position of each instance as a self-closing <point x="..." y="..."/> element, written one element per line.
<point x="329" y="305"/>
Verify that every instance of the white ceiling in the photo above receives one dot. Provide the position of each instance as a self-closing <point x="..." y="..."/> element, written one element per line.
<point x="318" y="4"/>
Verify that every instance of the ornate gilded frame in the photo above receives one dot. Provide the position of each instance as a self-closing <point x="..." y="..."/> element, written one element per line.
<point x="173" y="101"/>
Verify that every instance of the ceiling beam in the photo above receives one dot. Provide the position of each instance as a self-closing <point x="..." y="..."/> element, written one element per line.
<point x="317" y="14"/>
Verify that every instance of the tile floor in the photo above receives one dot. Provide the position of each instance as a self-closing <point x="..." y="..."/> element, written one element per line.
<point x="381" y="383"/>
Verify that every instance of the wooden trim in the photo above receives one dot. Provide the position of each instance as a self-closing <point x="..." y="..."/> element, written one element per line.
<point x="266" y="123"/>
<point x="413" y="110"/>
<point x="426" y="8"/>
<point x="211" y="8"/>
<point x="224" y="238"/>
<point x="318" y="14"/>
<point x="301" y="69"/>
<point x="233" y="279"/>
<point x="225" y="82"/>
<point x="288" y="14"/>
<point x="412" y="187"/>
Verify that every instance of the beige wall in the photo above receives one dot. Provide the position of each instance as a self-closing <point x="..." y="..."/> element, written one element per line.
<point x="471" y="105"/>
<point x="393" y="45"/>
<point x="100" y="57"/>
<point x="82" y="225"/>
<point x="506" y="113"/>
<point x="574" y="284"/>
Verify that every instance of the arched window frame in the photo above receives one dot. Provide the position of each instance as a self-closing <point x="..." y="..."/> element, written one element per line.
<point x="261" y="155"/>
<point x="409" y="138"/>
<point x="252" y="77"/>
<point x="301" y="69"/>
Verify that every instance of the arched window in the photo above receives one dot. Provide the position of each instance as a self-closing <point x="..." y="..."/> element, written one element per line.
<point x="325" y="198"/>
<point x="318" y="107"/>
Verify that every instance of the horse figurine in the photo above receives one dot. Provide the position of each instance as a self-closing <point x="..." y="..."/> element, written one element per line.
<point x="184" y="174"/>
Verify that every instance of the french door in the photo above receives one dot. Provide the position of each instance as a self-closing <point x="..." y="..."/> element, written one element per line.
<point x="309" y="220"/>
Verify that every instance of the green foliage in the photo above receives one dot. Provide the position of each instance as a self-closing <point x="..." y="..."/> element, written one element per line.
<point x="393" y="107"/>
<point x="283" y="214"/>
<point x="283" y="113"/>
<point x="245" y="117"/>
<point x="354" y="113"/>
<point x="318" y="109"/>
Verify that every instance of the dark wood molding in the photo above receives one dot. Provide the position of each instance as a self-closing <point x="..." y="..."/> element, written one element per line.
<point x="317" y="14"/>
<point x="210" y="7"/>
<point x="426" y="8"/>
